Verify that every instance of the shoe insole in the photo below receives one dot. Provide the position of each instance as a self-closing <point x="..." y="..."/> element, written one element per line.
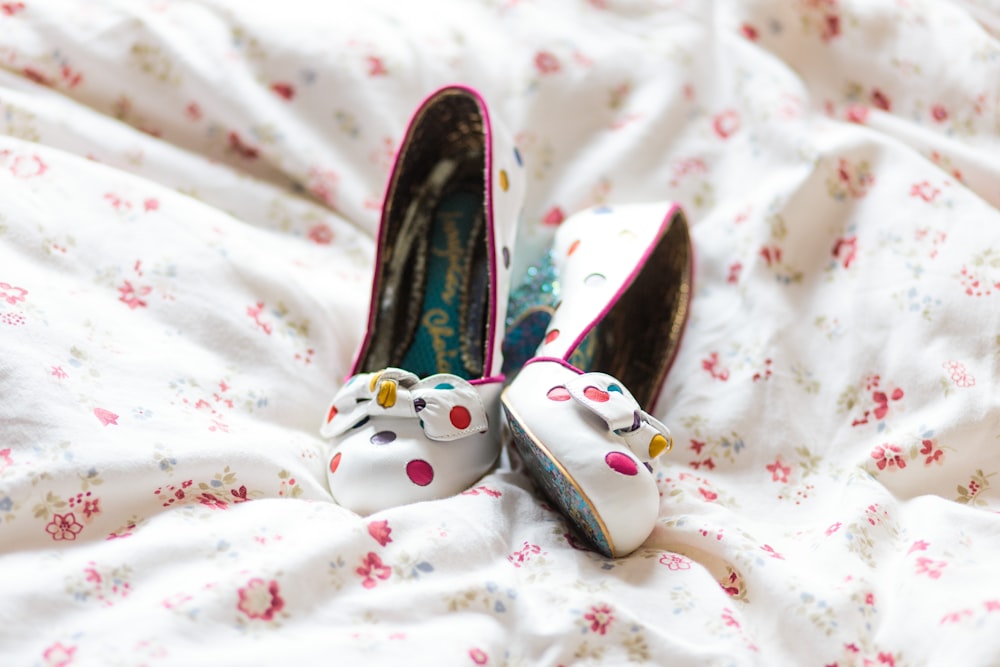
<point x="438" y="343"/>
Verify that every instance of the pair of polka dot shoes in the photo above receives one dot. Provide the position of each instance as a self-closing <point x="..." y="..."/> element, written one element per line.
<point x="419" y="419"/>
<point x="577" y="410"/>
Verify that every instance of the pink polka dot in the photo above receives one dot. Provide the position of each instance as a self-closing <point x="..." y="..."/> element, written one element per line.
<point x="420" y="472"/>
<point x="621" y="463"/>
<point x="551" y="336"/>
<point x="460" y="417"/>
<point x="596" y="395"/>
<point x="335" y="462"/>
<point x="558" y="394"/>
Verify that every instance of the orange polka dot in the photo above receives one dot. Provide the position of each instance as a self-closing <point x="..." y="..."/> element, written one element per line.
<point x="335" y="462"/>
<point x="333" y="413"/>
<point x="572" y="247"/>
<point x="551" y="336"/>
<point x="504" y="181"/>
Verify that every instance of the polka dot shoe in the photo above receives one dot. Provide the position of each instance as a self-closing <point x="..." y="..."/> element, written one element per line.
<point x="577" y="409"/>
<point x="420" y="419"/>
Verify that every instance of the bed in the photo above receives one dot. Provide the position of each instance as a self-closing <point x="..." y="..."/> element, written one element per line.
<point x="189" y="193"/>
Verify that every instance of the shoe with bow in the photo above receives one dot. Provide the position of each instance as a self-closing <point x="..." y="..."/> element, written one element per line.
<point x="577" y="410"/>
<point x="419" y="419"/>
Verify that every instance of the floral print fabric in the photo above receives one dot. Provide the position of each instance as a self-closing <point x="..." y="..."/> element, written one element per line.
<point x="188" y="197"/>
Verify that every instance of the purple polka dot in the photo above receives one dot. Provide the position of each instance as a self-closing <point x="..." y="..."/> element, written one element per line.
<point x="621" y="463"/>
<point x="506" y="257"/>
<point x="383" y="438"/>
<point x="419" y="404"/>
<point x="420" y="472"/>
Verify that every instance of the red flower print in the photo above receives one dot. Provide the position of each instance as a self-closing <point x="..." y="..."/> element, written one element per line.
<point x="132" y="296"/>
<point x="870" y="599"/>
<point x="91" y="508"/>
<point x="546" y="62"/>
<point x="12" y="294"/>
<point x="380" y="532"/>
<point x="283" y="90"/>
<point x="857" y="113"/>
<point x="554" y="216"/>
<point x="193" y="111"/>
<point x="64" y="527"/>
<point x="831" y="27"/>
<point x="779" y="473"/>
<point x="524" y="554"/>
<point x="932" y="568"/>
<point x="321" y="234"/>
<point x="845" y="250"/>
<point x="714" y="367"/>
<point x="9" y="9"/>
<point x="478" y="656"/>
<point x="888" y="455"/>
<point x="726" y="123"/>
<point x="925" y="191"/>
<point x="939" y="113"/>
<point x="880" y="100"/>
<point x="749" y="32"/>
<point x="209" y="500"/>
<point x="36" y="76"/>
<point x="697" y="446"/>
<point x="708" y="494"/>
<point x="239" y="494"/>
<point x="260" y="599"/>
<point x="58" y="655"/>
<point x="372" y="568"/>
<point x="600" y="618"/>
<point x="241" y="148"/>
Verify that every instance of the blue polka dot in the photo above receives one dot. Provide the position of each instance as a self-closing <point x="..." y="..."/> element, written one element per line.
<point x="517" y="156"/>
<point x="602" y="209"/>
<point x="444" y="385"/>
<point x="614" y="387"/>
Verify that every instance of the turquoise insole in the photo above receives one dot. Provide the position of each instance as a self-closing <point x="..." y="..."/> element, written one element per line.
<point x="437" y="345"/>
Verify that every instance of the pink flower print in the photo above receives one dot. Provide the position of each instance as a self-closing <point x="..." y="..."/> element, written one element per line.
<point x="193" y="111"/>
<point x="12" y="294"/>
<point x="28" y="166"/>
<point x="932" y="568"/>
<point x="323" y="184"/>
<point x="925" y="191"/>
<point x="726" y="123"/>
<point x="959" y="375"/>
<point x="939" y="113"/>
<point x="927" y="449"/>
<point x="260" y="599"/>
<point x="132" y="296"/>
<point x="779" y="472"/>
<point x="380" y="532"/>
<point x="880" y="100"/>
<point x="376" y="67"/>
<point x="992" y="606"/>
<point x="919" y="545"/>
<point x="833" y="528"/>
<point x="882" y="401"/>
<point x="771" y="255"/>
<point x="524" y="554"/>
<point x="5" y="460"/>
<point x="151" y="204"/>
<point x="870" y="599"/>
<point x="57" y="655"/>
<point x="675" y="562"/>
<point x="856" y="113"/>
<point x="771" y="552"/>
<point x="845" y="250"/>
<point x="321" y="234"/>
<point x="831" y="27"/>
<point x="734" y="273"/>
<point x="708" y="494"/>
<point x="9" y="9"/>
<point x="714" y="367"/>
<point x="36" y="76"/>
<point x="749" y="32"/>
<point x="64" y="527"/>
<point x="371" y="569"/>
<point x="888" y="455"/>
<point x="283" y="90"/>
<point x="478" y="656"/>
<point x="600" y="617"/>
<point x="106" y="416"/>
<point x="546" y="63"/>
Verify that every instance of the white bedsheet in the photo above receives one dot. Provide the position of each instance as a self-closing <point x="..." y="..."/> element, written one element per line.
<point x="188" y="197"/>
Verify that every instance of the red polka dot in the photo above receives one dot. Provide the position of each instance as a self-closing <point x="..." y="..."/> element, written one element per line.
<point x="596" y="395"/>
<point x="335" y="462"/>
<point x="420" y="472"/>
<point x="558" y="394"/>
<point x="621" y="463"/>
<point x="572" y="247"/>
<point x="551" y="336"/>
<point x="460" y="417"/>
<point x="333" y="413"/>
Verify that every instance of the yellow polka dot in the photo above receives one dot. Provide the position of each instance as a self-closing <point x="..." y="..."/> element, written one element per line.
<point x="504" y="182"/>
<point x="659" y="445"/>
